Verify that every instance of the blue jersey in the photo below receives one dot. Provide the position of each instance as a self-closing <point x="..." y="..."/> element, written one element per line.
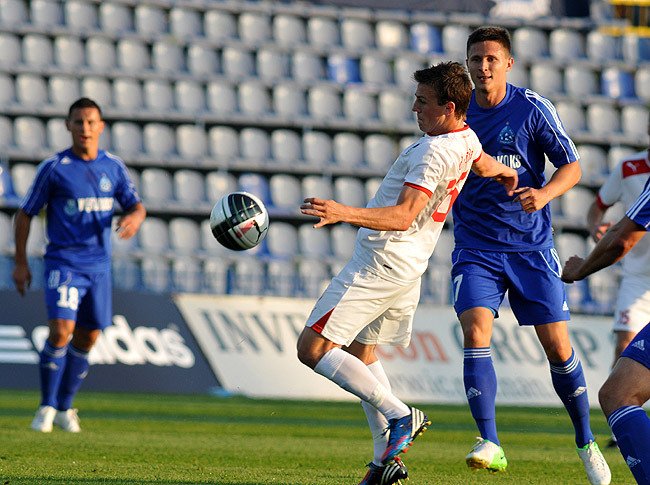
<point x="80" y="199"/>
<point x="639" y="212"/>
<point x="518" y="132"/>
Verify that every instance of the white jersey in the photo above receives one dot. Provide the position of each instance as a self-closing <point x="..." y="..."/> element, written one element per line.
<point x="625" y="183"/>
<point x="438" y="166"/>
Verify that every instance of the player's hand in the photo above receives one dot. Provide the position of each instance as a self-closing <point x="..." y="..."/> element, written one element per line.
<point x="328" y="211"/>
<point x="128" y="225"/>
<point x="531" y="199"/>
<point x="599" y="231"/>
<point x="509" y="180"/>
<point x="22" y="278"/>
<point x="571" y="271"/>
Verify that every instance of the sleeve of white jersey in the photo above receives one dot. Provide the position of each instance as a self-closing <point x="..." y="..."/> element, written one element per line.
<point x="427" y="166"/>
<point x="612" y="190"/>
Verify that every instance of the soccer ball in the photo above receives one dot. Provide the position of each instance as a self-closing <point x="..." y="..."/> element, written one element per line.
<point x="239" y="221"/>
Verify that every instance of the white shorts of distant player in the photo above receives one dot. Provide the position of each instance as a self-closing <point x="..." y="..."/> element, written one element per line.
<point x="360" y="305"/>
<point x="632" y="305"/>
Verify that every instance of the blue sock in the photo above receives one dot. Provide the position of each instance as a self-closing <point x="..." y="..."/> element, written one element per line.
<point x="76" y="369"/>
<point x="570" y="385"/>
<point x="52" y="366"/>
<point x="631" y="426"/>
<point x="481" y="390"/>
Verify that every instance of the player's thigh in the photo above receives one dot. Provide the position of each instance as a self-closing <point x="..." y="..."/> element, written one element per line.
<point x="395" y="325"/>
<point x="96" y="307"/>
<point x="632" y="311"/>
<point x="477" y="279"/>
<point x="535" y="290"/>
<point x="65" y="288"/>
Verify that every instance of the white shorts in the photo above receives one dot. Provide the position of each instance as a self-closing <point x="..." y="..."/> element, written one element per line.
<point x="632" y="305"/>
<point x="360" y="305"/>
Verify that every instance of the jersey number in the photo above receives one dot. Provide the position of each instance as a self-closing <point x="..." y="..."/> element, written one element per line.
<point x="68" y="297"/>
<point x="445" y="206"/>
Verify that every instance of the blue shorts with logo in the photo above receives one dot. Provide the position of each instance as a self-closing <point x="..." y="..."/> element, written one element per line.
<point x="532" y="280"/>
<point x="639" y="348"/>
<point x="73" y="295"/>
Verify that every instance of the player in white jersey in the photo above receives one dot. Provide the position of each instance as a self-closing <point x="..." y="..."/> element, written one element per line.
<point x="373" y="299"/>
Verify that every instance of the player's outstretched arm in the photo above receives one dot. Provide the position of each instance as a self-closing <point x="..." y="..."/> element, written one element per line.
<point x="563" y="179"/>
<point x="615" y="244"/>
<point x="597" y="228"/>
<point x="22" y="276"/>
<point x="398" y="217"/>
<point x="487" y="166"/>
<point x="129" y="224"/>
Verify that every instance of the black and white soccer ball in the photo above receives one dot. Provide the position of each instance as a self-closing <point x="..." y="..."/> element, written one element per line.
<point x="239" y="221"/>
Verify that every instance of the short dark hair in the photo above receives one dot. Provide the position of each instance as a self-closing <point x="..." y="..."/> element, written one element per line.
<point x="451" y="82"/>
<point x="84" y="103"/>
<point x="490" y="32"/>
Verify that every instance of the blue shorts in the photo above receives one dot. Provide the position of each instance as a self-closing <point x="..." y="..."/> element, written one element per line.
<point x="639" y="348"/>
<point x="532" y="280"/>
<point x="85" y="298"/>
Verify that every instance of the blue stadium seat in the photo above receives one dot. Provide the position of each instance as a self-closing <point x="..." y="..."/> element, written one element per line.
<point x="155" y="273"/>
<point x="186" y="275"/>
<point x="125" y="272"/>
<point x="343" y="69"/>
<point x="281" y="278"/>
<point x="255" y="184"/>
<point x="617" y="83"/>
<point x="425" y="38"/>
<point x="636" y="49"/>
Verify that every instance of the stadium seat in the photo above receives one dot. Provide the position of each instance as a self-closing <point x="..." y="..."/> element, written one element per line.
<point x="306" y="66"/>
<point x="68" y="52"/>
<point x="593" y="161"/>
<point x="22" y="176"/>
<point x="286" y="146"/>
<point x="286" y="192"/>
<point x="97" y="88"/>
<point x="189" y="96"/>
<point x="349" y="191"/>
<point x="617" y="83"/>
<point x="248" y="277"/>
<point x="425" y="38"/>
<point x="518" y="75"/>
<point x="272" y="64"/>
<point x="135" y="177"/>
<point x="58" y="136"/>
<point x="359" y="104"/>
<point x="8" y="198"/>
<point x="317" y="186"/>
<point x="223" y="143"/>
<point x="356" y="34"/>
<point x="313" y="277"/>
<point x="566" y="44"/>
<point x="618" y="153"/>
<point x="570" y="244"/>
<point x="127" y="94"/>
<point x="36" y="242"/>
<point x="281" y="277"/>
<point x="221" y="98"/>
<point x="45" y="13"/>
<point x="603" y="119"/>
<point x="634" y="122"/>
<point x="404" y="68"/>
<point x="31" y="90"/>
<point x="10" y="46"/>
<point x="317" y="148"/>
<point x="323" y="31"/>
<point x="237" y="63"/>
<point x="375" y="69"/>
<point x="574" y="204"/>
<point x="158" y="140"/>
<point x="167" y="57"/>
<point x="254" y="144"/>
<point x="191" y="143"/>
<point x="156" y="186"/>
<point x="324" y="102"/>
<point x="282" y="240"/>
<point x="6" y="232"/>
<point x="289" y="101"/>
<point x="444" y="247"/>
<point x="13" y="13"/>
<point x="30" y="137"/>
<point x="603" y="287"/>
<point x="545" y="79"/>
<point x="6" y="132"/>
<point x="436" y="278"/>
<point x="185" y="23"/>
<point x="122" y="247"/>
<point x="115" y="18"/>
<point x="344" y="237"/>
<point x="371" y="187"/>
<point x="218" y="184"/>
<point x="150" y="19"/>
<point x="219" y="25"/>
<point x="186" y="274"/>
<point x="454" y="40"/>
<point x="153" y="236"/>
<point x="342" y="69"/>
<point x="602" y="48"/>
<point x="636" y="49"/>
<point x="314" y="243"/>
<point x="289" y="30"/>
<point x="100" y="54"/>
<point x="391" y="35"/>
<point x="529" y="44"/>
<point x="215" y="276"/>
<point x="125" y="273"/>
<point x="380" y="151"/>
<point x="202" y="60"/>
<point x="394" y="106"/>
<point x="580" y="81"/>
<point x="572" y="116"/>
<point x="348" y="150"/>
<point x="158" y="95"/>
<point x="126" y="138"/>
<point x="642" y="84"/>
<point x="38" y="51"/>
<point x="7" y="92"/>
<point x="184" y="235"/>
<point x="132" y="55"/>
<point x="189" y="187"/>
<point x="255" y="184"/>
<point x="254" y="98"/>
<point x="254" y="28"/>
<point x="155" y="273"/>
<point x="80" y="16"/>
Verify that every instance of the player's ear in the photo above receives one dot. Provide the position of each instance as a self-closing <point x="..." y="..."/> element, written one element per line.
<point x="450" y="108"/>
<point x="510" y="63"/>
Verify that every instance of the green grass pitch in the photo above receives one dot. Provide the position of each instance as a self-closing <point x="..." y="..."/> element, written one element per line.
<point x="154" y="439"/>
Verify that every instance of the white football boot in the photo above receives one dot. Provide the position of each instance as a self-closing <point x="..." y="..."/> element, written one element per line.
<point x="68" y="420"/>
<point x="595" y="465"/>
<point x="43" y="419"/>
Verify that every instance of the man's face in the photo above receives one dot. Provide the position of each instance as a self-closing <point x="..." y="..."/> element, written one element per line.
<point x="431" y="116"/>
<point x="488" y="62"/>
<point x="85" y="126"/>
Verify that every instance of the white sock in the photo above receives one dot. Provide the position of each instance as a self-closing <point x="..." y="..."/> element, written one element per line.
<point x="377" y="421"/>
<point x="354" y="376"/>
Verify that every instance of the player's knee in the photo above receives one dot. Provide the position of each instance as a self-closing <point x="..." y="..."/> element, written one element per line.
<point x="308" y="355"/>
<point x="611" y="397"/>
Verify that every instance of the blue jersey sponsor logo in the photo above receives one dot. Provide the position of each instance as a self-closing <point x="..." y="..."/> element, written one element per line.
<point x="512" y="161"/>
<point x="95" y="204"/>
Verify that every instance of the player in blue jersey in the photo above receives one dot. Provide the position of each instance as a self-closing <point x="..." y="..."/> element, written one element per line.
<point x="628" y="387"/>
<point x="505" y="244"/>
<point x="78" y="186"/>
